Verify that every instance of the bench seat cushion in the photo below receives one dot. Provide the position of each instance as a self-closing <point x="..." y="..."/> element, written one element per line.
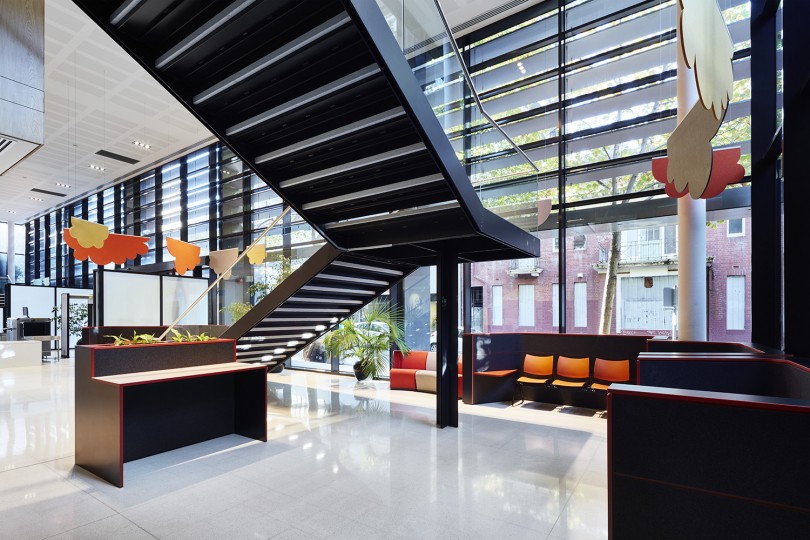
<point x="568" y="384"/>
<point x="426" y="381"/>
<point x="403" y="379"/>
<point x="598" y="386"/>
<point x="532" y="380"/>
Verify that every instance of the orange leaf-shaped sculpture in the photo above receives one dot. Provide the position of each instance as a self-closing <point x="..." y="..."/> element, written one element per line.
<point x="186" y="256"/>
<point x="117" y="248"/>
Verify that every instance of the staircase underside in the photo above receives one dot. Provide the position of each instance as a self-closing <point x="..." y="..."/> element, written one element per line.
<point x="318" y="100"/>
<point x="328" y="288"/>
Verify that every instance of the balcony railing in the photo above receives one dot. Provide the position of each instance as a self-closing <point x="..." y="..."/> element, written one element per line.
<point x="525" y="267"/>
<point x="640" y="252"/>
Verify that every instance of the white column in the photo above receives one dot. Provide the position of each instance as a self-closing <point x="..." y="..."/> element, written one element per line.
<point x="691" y="231"/>
<point x="11" y="249"/>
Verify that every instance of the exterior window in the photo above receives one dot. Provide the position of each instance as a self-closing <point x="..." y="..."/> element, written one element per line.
<point x="735" y="303"/>
<point x="555" y="245"/>
<point x="477" y="309"/>
<point x="579" y="241"/>
<point x="670" y="240"/>
<point x="736" y="227"/>
<point x="497" y="305"/>
<point x="525" y="305"/>
<point x="580" y="304"/>
<point x="555" y="305"/>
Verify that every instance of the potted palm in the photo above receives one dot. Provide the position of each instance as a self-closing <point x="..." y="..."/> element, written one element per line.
<point x="368" y="339"/>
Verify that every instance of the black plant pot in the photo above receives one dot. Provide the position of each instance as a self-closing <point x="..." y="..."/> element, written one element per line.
<point x="359" y="373"/>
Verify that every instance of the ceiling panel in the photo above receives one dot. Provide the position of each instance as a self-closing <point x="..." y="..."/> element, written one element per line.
<point x="96" y="97"/>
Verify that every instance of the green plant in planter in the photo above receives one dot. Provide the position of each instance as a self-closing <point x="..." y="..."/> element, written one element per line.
<point x="136" y="339"/>
<point x="369" y="339"/>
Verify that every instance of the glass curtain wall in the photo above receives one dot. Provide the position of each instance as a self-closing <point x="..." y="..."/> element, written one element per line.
<point x="587" y="88"/>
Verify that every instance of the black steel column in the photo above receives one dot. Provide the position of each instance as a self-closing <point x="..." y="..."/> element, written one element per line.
<point x="561" y="150"/>
<point x="59" y="246"/>
<point x="214" y="199"/>
<point x="397" y="300"/>
<point x="796" y="188"/>
<point x="446" y="340"/>
<point x="184" y="199"/>
<point x="766" y="214"/>
<point x="47" y="230"/>
<point x="158" y="228"/>
<point x="86" y="263"/>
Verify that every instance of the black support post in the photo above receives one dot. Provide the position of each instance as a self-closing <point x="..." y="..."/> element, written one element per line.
<point x="446" y="340"/>
<point x="766" y="215"/>
<point x="796" y="188"/>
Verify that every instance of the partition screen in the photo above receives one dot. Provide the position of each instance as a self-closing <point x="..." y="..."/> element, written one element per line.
<point x="178" y="294"/>
<point x="130" y="299"/>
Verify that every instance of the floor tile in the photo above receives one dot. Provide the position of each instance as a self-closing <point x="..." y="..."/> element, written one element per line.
<point x="343" y="460"/>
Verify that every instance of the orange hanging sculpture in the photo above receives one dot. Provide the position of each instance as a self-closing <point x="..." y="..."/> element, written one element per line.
<point x="186" y="256"/>
<point x="95" y="242"/>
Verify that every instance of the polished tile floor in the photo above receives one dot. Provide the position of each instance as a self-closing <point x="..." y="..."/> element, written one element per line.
<point x="344" y="460"/>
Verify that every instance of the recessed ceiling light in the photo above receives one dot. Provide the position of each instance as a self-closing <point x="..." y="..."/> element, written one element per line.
<point x="60" y="184"/>
<point x="35" y="198"/>
<point x="307" y="335"/>
<point x="279" y="350"/>
<point x="96" y="167"/>
<point x="12" y="211"/>
<point x="141" y="144"/>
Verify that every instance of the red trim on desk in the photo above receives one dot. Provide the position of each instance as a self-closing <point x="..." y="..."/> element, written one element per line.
<point x="743" y="401"/>
<point x="721" y="360"/>
<point x="610" y="465"/>
<point x="178" y="378"/>
<point x="121" y="435"/>
<point x="712" y="492"/>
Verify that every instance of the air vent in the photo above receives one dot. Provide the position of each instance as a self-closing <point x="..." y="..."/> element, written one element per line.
<point x="117" y="157"/>
<point x="46" y="192"/>
<point x="13" y="151"/>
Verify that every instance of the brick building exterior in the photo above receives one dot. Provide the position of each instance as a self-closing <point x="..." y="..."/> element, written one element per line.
<point x="646" y="267"/>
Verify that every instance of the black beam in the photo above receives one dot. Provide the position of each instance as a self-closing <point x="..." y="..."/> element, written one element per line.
<point x="561" y="152"/>
<point x="796" y="188"/>
<point x="766" y="229"/>
<point x="446" y="340"/>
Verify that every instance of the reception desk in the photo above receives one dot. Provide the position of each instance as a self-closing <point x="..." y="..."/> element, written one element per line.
<point x="137" y="401"/>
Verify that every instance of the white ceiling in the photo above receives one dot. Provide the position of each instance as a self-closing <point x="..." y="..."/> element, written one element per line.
<point x="96" y="98"/>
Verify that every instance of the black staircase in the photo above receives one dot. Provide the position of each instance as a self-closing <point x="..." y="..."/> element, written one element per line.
<point x="329" y="287"/>
<point x="318" y="99"/>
